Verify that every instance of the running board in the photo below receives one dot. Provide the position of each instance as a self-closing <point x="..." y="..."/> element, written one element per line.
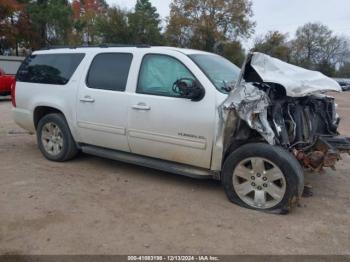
<point x="163" y="165"/>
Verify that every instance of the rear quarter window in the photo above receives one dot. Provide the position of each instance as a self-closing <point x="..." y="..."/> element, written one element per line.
<point x="56" y="69"/>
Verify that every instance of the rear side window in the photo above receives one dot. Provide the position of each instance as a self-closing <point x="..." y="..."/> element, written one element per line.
<point x="109" y="71"/>
<point x="55" y="69"/>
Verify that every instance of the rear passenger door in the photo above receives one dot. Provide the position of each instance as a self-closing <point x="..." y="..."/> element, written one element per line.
<point x="102" y="105"/>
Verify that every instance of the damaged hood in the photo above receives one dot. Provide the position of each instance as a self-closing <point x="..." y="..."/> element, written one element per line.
<point x="251" y="103"/>
<point x="297" y="81"/>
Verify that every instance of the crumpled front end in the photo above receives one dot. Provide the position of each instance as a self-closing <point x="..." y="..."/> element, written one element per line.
<point x="285" y="105"/>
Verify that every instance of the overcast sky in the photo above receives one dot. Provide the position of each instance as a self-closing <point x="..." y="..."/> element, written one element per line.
<point x="282" y="15"/>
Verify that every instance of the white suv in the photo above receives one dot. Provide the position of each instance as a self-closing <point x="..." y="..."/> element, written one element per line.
<point x="174" y="110"/>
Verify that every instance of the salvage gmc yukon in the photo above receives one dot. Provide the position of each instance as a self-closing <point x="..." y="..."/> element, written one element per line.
<point x="187" y="112"/>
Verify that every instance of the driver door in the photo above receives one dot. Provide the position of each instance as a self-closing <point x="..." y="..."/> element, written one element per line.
<point x="163" y="125"/>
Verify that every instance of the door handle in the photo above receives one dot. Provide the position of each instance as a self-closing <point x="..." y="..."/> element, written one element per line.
<point x="141" y="106"/>
<point x="87" y="99"/>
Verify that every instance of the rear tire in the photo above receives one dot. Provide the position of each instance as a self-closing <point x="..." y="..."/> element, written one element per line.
<point x="263" y="177"/>
<point x="54" y="138"/>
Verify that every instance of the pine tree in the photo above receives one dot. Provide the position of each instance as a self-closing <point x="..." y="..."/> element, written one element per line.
<point x="113" y="28"/>
<point x="51" y="19"/>
<point x="144" y="24"/>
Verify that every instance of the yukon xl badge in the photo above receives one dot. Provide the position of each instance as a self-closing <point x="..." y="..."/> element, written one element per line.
<point x="191" y="136"/>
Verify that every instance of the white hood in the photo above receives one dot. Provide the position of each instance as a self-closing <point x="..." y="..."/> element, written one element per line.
<point x="297" y="81"/>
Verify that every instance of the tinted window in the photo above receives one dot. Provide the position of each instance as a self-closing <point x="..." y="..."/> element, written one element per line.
<point x="159" y="73"/>
<point x="109" y="71"/>
<point x="54" y="69"/>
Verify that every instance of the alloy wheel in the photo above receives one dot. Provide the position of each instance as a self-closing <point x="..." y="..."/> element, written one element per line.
<point x="52" y="139"/>
<point x="259" y="182"/>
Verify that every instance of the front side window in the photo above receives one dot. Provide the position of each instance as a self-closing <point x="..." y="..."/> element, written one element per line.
<point x="222" y="73"/>
<point x="159" y="73"/>
<point x="55" y="69"/>
<point x="109" y="71"/>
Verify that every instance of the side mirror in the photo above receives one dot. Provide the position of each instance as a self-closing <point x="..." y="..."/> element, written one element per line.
<point x="189" y="88"/>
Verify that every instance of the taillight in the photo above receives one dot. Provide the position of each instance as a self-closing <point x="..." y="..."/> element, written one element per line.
<point x="13" y="93"/>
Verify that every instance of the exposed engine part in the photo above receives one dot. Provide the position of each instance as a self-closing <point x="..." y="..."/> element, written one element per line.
<point x="307" y="126"/>
<point x="312" y="160"/>
<point x="285" y="105"/>
<point x="317" y="160"/>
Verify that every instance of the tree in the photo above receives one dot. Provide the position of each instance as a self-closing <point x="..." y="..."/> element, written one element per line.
<point x="232" y="50"/>
<point x="316" y="47"/>
<point x="52" y="20"/>
<point x="202" y="24"/>
<point x="344" y="70"/>
<point x="113" y="28"/>
<point x="15" y="27"/>
<point x="144" y="24"/>
<point x="274" y="44"/>
<point x="85" y="16"/>
<point x="7" y="11"/>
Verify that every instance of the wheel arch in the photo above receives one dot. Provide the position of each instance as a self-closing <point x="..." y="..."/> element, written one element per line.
<point x="243" y="135"/>
<point x="41" y="111"/>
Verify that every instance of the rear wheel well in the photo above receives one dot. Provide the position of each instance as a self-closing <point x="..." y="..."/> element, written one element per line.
<point x="42" y="111"/>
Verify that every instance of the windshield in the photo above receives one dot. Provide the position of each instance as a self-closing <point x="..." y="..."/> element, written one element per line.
<point x="219" y="70"/>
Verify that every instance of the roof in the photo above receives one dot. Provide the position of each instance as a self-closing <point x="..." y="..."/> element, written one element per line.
<point x="65" y="49"/>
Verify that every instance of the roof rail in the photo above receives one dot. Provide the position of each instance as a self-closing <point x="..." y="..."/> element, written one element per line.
<point x="93" y="46"/>
<point x="56" y="47"/>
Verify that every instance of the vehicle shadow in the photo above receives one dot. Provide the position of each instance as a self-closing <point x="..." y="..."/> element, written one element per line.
<point x="152" y="175"/>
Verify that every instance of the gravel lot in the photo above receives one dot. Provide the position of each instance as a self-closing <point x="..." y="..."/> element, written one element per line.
<point x="97" y="206"/>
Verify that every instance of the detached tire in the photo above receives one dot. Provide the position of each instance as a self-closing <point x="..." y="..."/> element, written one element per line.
<point x="54" y="138"/>
<point x="263" y="177"/>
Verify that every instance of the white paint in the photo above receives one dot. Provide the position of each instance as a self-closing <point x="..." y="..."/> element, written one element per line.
<point x="110" y="120"/>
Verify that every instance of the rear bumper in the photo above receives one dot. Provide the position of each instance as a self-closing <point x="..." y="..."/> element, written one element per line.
<point x="23" y="118"/>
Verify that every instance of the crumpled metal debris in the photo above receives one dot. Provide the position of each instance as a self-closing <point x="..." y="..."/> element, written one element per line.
<point x="251" y="105"/>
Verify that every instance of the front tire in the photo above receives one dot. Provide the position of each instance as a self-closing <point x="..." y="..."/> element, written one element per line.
<point x="54" y="138"/>
<point x="262" y="177"/>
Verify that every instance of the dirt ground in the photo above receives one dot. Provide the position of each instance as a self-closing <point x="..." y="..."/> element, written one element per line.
<point x="97" y="206"/>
